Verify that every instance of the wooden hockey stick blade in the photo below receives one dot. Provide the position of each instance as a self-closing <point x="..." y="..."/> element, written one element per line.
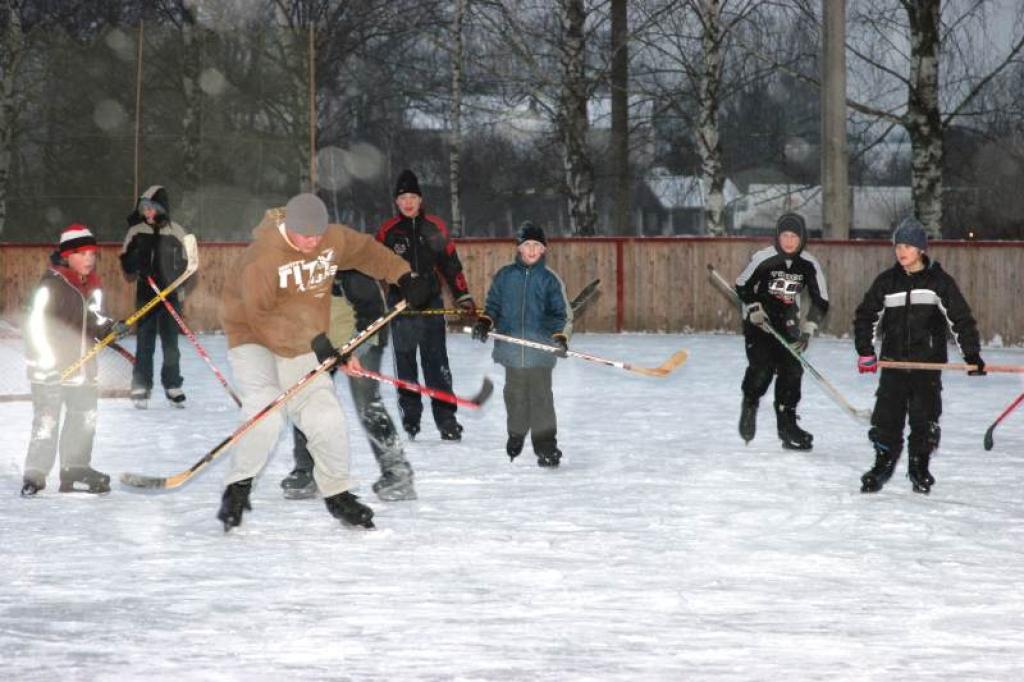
<point x="664" y="369"/>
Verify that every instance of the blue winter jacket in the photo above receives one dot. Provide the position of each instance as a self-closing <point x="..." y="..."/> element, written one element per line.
<point x="530" y="303"/>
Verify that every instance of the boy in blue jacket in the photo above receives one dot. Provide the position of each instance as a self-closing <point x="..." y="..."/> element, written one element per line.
<point x="527" y="300"/>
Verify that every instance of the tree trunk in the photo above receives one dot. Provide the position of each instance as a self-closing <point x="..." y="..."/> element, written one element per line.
<point x="455" y="141"/>
<point x="579" y="172"/>
<point x="923" y="122"/>
<point x="708" y="142"/>
<point x="11" y="52"/>
<point x="620" y="116"/>
<point x="192" y="117"/>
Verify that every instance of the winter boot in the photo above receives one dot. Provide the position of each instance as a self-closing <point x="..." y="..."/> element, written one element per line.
<point x="411" y="427"/>
<point x="920" y="477"/>
<point x="549" y="459"/>
<point x="395" y="484"/>
<point x="31" y="484"/>
<point x="748" y="419"/>
<point x="873" y="480"/>
<point x="349" y="510"/>
<point x="514" y="446"/>
<point x="83" y="480"/>
<point x="299" y="484"/>
<point x="791" y="435"/>
<point x="140" y="398"/>
<point x="451" y="430"/>
<point x="234" y="502"/>
<point x="176" y="396"/>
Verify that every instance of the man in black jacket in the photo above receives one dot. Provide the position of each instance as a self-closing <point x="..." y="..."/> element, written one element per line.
<point x="422" y="239"/>
<point x="770" y="288"/>
<point x="154" y="247"/>
<point x="910" y="307"/>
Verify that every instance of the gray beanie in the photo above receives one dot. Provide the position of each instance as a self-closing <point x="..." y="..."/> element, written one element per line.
<point x="911" y="231"/>
<point x="305" y="214"/>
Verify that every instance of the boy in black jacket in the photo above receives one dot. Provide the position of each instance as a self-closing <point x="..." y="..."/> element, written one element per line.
<point x="770" y="289"/>
<point x="910" y="306"/>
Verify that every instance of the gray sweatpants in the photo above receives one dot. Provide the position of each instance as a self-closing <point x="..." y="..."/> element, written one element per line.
<point x="261" y="376"/>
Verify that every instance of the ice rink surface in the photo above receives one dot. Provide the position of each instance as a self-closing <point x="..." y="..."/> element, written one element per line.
<point x="662" y="549"/>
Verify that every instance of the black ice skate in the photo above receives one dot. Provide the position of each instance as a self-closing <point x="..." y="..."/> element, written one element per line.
<point x="83" y="480"/>
<point x="32" y="485"/>
<point x="451" y="430"/>
<point x="176" y="396"/>
<point x="791" y="435"/>
<point x="748" y="419"/>
<point x="549" y="459"/>
<point x="514" y="446"/>
<point x="347" y="508"/>
<point x="234" y="502"/>
<point x="395" y="484"/>
<point x="299" y="484"/>
<point x="920" y="477"/>
<point x="873" y="480"/>
<point x="411" y="427"/>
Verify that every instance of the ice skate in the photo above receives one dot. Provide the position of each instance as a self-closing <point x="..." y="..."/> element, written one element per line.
<point x="299" y="485"/>
<point x="32" y="485"/>
<point x="514" y="446"/>
<point x="451" y="430"/>
<point x="347" y="508"/>
<point x="395" y="484"/>
<point x="176" y="396"/>
<point x="234" y="502"/>
<point x="84" y="480"/>
<point x="791" y="435"/>
<point x="140" y="398"/>
<point x="748" y="419"/>
<point x="921" y="479"/>
<point x="411" y="428"/>
<point x="549" y="459"/>
<point x="873" y="480"/>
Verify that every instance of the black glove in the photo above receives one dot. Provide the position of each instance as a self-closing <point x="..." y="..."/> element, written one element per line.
<point x="976" y="360"/>
<point x="119" y="329"/>
<point x="324" y="349"/>
<point x="800" y="345"/>
<point x="416" y="290"/>
<point x="482" y="328"/>
<point x="563" y="345"/>
<point x="467" y="304"/>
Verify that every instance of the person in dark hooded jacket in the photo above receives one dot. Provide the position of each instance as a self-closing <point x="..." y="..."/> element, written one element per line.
<point x="911" y="307"/>
<point x="65" y="318"/>
<point x="154" y="247"/>
<point x="770" y="288"/>
<point x="527" y="300"/>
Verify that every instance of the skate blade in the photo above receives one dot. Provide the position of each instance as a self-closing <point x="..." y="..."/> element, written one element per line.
<point x="300" y="493"/>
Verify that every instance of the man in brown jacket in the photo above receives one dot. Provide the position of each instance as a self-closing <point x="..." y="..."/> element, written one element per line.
<point x="275" y="301"/>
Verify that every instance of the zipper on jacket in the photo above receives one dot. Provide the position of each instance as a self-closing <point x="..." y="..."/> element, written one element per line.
<point x="906" y="317"/>
<point x="522" y="312"/>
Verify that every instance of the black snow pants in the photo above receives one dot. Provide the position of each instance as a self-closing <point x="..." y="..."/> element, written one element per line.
<point x="157" y="322"/>
<point x="903" y="393"/>
<point x="769" y="360"/>
<point x="425" y="333"/>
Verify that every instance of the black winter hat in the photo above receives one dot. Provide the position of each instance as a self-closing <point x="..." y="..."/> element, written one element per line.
<point x="791" y="222"/>
<point x="407" y="183"/>
<point x="528" y="231"/>
<point x="911" y="231"/>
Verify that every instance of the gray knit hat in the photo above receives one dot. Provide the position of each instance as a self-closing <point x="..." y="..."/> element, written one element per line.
<point x="305" y="214"/>
<point x="911" y="231"/>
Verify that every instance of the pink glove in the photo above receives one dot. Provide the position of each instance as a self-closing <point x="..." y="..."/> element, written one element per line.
<point x="867" y="364"/>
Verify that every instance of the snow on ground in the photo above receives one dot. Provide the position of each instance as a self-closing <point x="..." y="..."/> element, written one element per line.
<point x="663" y="549"/>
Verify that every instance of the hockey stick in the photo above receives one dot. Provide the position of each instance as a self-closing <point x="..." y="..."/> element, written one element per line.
<point x="988" y="434"/>
<point x="830" y="390"/>
<point x="476" y="401"/>
<point x="122" y="351"/>
<point x="195" y="342"/>
<point x="192" y="255"/>
<point x="954" y="366"/>
<point x="677" y="358"/>
<point x="444" y="311"/>
<point x="142" y="481"/>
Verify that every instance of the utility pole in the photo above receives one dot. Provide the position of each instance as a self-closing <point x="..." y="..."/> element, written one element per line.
<point x="835" y="183"/>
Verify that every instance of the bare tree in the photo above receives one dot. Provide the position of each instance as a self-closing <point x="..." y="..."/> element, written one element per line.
<point x="619" y="81"/>
<point x="12" y="52"/>
<point x="455" y="135"/>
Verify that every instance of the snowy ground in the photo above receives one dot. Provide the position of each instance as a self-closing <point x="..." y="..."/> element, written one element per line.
<point x="663" y="549"/>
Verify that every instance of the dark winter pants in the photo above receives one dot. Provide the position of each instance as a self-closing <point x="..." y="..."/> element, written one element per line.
<point x="768" y="359"/>
<point x="380" y="430"/>
<point x="530" y="405"/>
<point x="425" y="333"/>
<point x="157" y="321"/>
<point x="900" y="393"/>
<point x="74" y="439"/>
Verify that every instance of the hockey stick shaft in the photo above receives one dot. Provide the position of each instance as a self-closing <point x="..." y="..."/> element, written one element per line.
<point x="195" y="342"/>
<point x="444" y="311"/>
<point x="141" y="481"/>
<point x="472" y="403"/>
<point x="989" y="434"/>
<point x="830" y="390"/>
<point x="952" y="366"/>
<point x="677" y="359"/>
<point x="122" y="351"/>
<point x="192" y="254"/>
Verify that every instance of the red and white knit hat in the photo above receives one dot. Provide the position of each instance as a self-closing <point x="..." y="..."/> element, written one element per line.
<point x="75" y="238"/>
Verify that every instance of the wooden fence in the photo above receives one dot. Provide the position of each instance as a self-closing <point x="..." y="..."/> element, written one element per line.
<point x="647" y="284"/>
